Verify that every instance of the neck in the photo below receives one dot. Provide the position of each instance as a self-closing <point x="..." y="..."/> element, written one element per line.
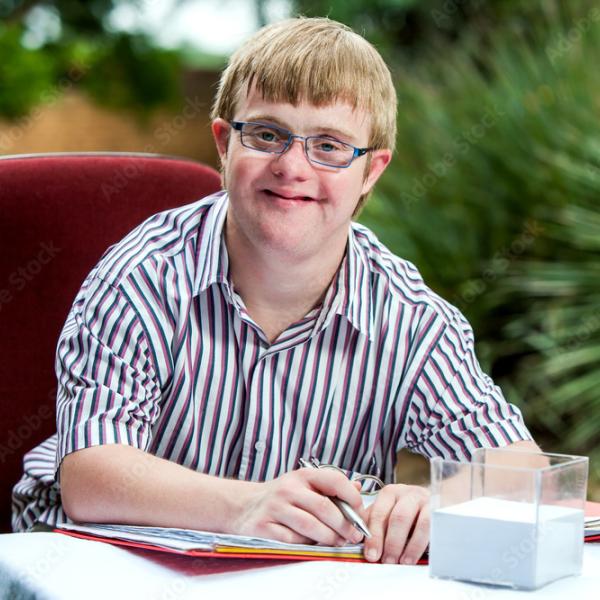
<point x="279" y="289"/>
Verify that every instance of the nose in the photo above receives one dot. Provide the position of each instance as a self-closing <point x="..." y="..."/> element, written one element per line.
<point x="293" y="162"/>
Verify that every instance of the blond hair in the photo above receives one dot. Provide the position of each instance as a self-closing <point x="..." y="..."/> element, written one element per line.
<point x="316" y="60"/>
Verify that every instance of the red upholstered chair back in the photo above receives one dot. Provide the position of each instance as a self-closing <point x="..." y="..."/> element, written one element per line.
<point x="58" y="214"/>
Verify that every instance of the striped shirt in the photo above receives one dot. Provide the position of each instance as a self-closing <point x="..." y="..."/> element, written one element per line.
<point x="160" y="353"/>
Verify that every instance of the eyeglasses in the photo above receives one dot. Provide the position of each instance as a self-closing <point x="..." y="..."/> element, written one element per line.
<point x="320" y="149"/>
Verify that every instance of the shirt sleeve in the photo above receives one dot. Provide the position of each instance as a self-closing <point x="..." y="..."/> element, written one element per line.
<point x="454" y="407"/>
<point x="108" y="387"/>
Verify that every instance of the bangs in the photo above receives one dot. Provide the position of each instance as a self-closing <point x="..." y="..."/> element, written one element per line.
<point x="320" y="73"/>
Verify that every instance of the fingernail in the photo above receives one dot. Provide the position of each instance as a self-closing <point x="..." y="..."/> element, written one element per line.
<point x="371" y="554"/>
<point x="356" y="537"/>
<point x="388" y="560"/>
<point x="408" y="560"/>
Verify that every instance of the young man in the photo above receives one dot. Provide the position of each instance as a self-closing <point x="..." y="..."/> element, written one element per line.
<point x="221" y="342"/>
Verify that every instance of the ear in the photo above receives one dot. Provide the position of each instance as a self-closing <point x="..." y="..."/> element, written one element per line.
<point x="380" y="159"/>
<point x="220" y="130"/>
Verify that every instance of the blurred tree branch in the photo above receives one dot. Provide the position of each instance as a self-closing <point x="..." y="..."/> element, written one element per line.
<point x="19" y="10"/>
<point x="261" y="12"/>
<point x="120" y="69"/>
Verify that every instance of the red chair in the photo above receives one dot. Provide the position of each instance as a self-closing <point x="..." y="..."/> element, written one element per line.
<point x="58" y="214"/>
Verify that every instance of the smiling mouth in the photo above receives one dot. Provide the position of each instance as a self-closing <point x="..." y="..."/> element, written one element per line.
<point x="290" y="198"/>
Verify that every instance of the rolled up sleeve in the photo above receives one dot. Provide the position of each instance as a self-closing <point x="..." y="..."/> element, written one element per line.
<point x="455" y="408"/>
<point x="108" y="390"/>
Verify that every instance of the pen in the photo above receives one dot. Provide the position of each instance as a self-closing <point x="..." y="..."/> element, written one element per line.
<point x="344" y="507"/>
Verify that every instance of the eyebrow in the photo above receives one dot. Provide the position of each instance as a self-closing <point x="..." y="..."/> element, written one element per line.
<point x="332" y="131"/>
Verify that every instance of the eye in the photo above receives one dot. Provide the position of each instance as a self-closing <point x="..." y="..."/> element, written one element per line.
<point x="328" y="145"/>
<point x="266" y="135"/>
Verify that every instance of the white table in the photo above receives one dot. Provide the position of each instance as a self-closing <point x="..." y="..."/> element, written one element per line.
<point x="51" y="565"/>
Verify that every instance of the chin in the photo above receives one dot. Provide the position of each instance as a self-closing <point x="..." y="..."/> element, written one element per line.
<point x="294" y="243"/>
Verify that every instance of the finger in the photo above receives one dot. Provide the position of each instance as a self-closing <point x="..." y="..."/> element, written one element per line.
<point x="306" y="524"/>
<point x="327" y="513"/>
<point x="377" y="522"/>
<point x="330" y="482"/>
<point x="281" y="533"/>
<point x="419" y="538"/>
<point x="400" y="522"/>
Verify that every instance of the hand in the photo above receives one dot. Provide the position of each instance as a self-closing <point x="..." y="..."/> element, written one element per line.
<point x="294" y="508"/>
<point x="399" y="523"/>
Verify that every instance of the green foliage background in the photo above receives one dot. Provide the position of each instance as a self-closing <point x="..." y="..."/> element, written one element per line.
<point x="494" y="190"/>
<point x="120" y="70"/>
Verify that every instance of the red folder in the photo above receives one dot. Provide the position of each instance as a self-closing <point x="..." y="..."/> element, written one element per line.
<point x="266" y="554"/>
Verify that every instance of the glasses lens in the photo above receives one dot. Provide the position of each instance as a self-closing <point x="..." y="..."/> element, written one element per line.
<point x="329" y="151"/>
<point x="264" y="137"/>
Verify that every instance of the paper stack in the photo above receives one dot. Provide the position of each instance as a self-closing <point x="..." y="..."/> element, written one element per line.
<point x="204" y="543"/>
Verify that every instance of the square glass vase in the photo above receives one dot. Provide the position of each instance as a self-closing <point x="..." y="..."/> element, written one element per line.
<point x="508" y="518"/>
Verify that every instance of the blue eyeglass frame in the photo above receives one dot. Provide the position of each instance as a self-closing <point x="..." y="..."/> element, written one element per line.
<point x="238" y="125"/>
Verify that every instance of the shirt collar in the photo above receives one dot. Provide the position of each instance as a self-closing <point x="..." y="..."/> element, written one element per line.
<point x="355" y="287"/>
<point x="212" y="262"/>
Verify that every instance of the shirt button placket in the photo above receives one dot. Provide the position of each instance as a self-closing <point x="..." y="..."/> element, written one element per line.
<point x="254" y="399"/>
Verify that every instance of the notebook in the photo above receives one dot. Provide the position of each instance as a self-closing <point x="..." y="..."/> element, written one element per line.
<point x="208" y="544"/>
<point x="592" y="529"/>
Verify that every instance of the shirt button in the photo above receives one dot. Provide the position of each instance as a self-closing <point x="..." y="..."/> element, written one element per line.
<point x="259" y="446"/>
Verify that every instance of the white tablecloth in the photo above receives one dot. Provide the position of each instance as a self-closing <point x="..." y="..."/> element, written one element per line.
<point x="50" y="565"/>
